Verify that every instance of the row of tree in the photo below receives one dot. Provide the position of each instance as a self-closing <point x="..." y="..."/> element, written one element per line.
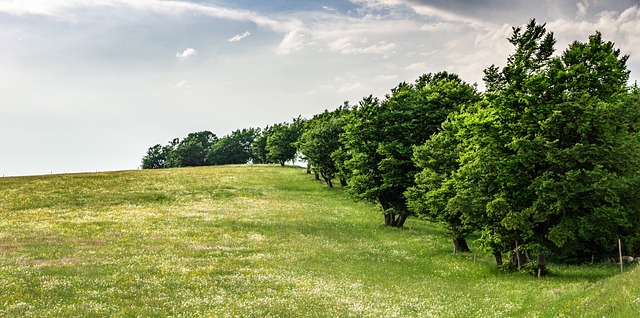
<point x="544" y="162"/>
<point x="273" y="144"/>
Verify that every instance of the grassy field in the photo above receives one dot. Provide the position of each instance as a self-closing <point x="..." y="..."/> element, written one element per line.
<point x="256" y="241"/>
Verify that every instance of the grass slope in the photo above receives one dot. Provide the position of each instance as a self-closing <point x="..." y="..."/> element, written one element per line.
<point x="253" y="241"/>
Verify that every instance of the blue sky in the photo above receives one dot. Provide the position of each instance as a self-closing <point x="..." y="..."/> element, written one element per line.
<point x="90" y="85"/>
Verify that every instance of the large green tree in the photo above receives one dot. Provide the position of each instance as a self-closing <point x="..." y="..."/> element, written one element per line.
<point x="549" y="158"/>
<point x="380" y="136"/>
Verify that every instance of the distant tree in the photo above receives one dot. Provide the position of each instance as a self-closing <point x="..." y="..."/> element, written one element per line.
<point x="173" y="158"/>
<point x="193" y="149"/>
<point x="321" y="146"/>
<point x="259" y="146"/>
<point x="282" y="140"/>
<point x="318" y="142"/>
<point x="234" y="148"/>
<point x="156" y="158"/>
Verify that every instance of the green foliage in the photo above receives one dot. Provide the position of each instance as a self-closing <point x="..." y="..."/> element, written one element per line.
<point x="281" y="141"/>
<point x="380" y="137"/>
<point x="156" y="158"/>
<point x="437" y="194"/>
<point x="321" y="146"/>
<point x="234" y="148"/>
<point x="547" y="161"/>
<point x="259" y="146"/>
<point x="193" y="149"/>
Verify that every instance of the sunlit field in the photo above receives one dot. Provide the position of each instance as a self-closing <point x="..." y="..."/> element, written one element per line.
<point x="256" y="241"/>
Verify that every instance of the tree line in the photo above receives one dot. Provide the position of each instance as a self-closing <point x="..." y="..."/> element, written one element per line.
<point x="544" y="163"/>
<point x="273" y="144"/>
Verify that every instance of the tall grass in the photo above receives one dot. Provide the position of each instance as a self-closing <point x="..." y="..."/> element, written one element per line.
<point x="250" y="241"/>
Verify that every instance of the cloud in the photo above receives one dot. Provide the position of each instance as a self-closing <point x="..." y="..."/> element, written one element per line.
<point x="345" y="46"/>
<point x="416" y="66"/>
<point x="72" y="9"/>
<point x="622" y="28"/>
<point x="450" y="44"/>
<point x="353" y="87"/>
<point x="293" y="41"/>
<point x="582" y="8"/>
<point x="239" y="37"/>
<point x="425" y="9"/>
<point x="385" y="77"/>
<point x="183" y="84"/>
<point x="186" y="54"/>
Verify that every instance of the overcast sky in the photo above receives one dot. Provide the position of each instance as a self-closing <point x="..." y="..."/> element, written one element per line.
<point x="89" y="85"/>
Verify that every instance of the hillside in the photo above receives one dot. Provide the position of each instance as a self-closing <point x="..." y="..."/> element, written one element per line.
<point x="255" y="241"/>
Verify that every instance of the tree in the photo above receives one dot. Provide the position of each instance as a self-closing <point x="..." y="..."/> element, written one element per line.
<point x="173" y="158"/>
<point x="259" y="146"/>
<point x="193" y="150"/>
<point x="380" y="137"/>
<point x="434" y="194"/>
<point x="549" y="154"/>
<point x="155" y="158"/>
<point x="234" y="148"/>
<point x="281" y="141"/>
<point x="159" y="157"/>
<point x="320" y="141"/>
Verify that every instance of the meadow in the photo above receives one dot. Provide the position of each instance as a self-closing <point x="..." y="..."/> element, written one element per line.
<point x="257" y="241"/>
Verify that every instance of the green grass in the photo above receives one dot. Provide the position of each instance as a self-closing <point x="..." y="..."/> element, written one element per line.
<point x="255" y="241"/>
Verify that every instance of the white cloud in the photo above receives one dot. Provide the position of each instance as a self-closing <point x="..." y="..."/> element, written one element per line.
<point x="71" y="9"/>
<point x="440" y="27"/>
<point x="450" y="44"/>
<point x="622" y="28"/>
<point x="416" y="66"/>
<point x="183" y="84"/>
<point x="239" y="37"/>
<point x="345" y="46"/>
<point x="353" y="87"/>
<point x="582" y="8"/>
<point x="385" y="77"/>
<point x="293" y="41"/>
<point x="425" y="10"/>
<point x="186" y="54"/>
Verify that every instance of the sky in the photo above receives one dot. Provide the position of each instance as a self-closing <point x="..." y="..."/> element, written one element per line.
<point x="90" y="85"/>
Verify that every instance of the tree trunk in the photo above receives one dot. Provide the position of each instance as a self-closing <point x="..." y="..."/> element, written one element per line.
<point x="316" y="176"/>
<point x="518" y="258"/>
<point x="282" y="163"/>
<point x="542" y="264"/>
<point x="388" y="219"/>
<point x="393" y="220"/>
<point x="460" y="245"/>
<point x="308" y="168"/>
<point x="498" y="257"/>
<point x="343" y="182"/>
<point x="400" y="220"/>
<point x="329" y="183"/>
